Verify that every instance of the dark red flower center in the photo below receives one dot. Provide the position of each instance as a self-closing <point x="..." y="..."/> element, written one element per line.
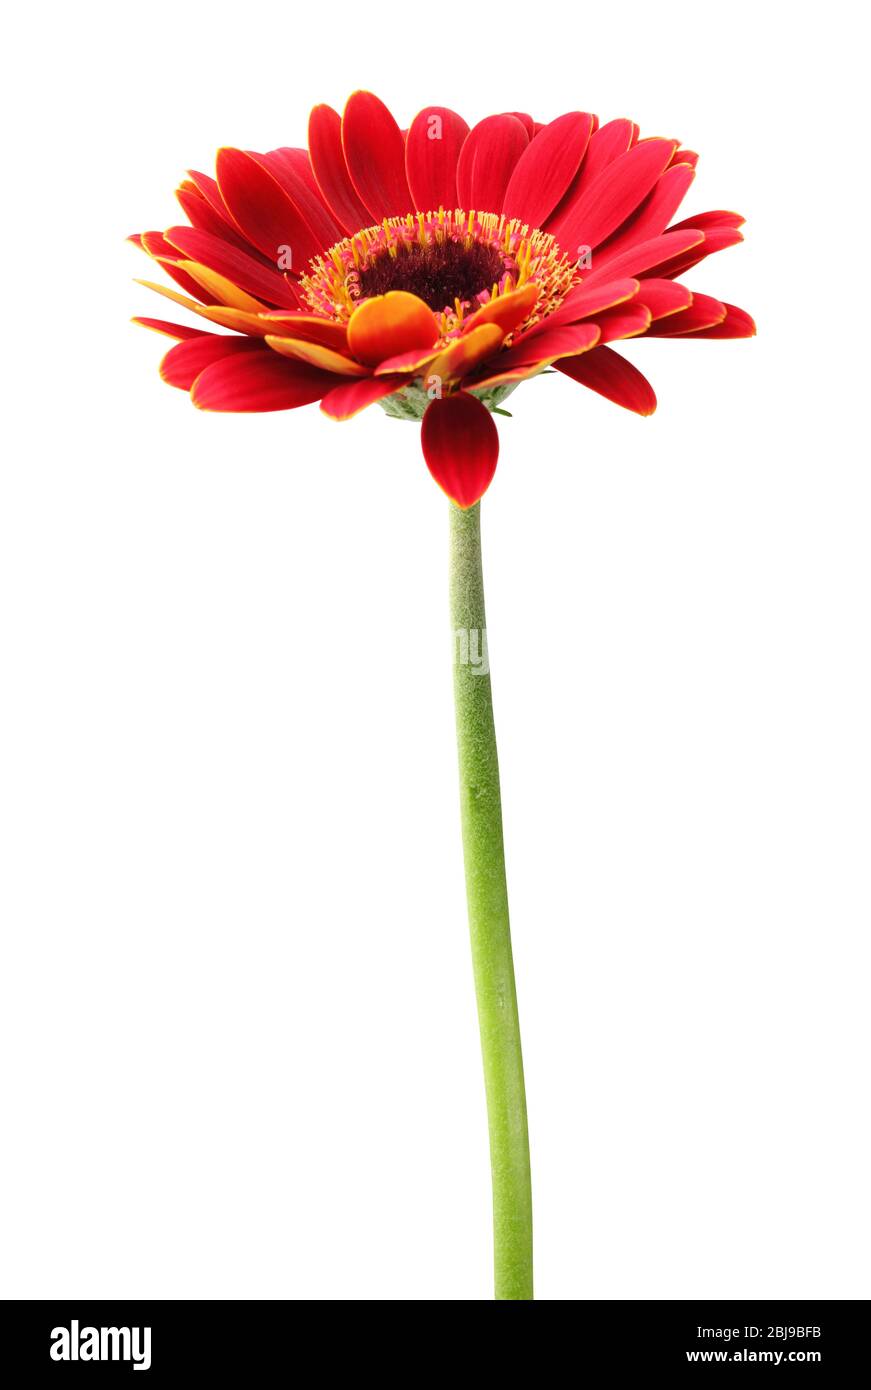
<point x="439" y="273"/>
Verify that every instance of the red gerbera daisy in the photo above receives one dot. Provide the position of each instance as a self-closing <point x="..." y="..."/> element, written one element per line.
<point x="433" y="269"/>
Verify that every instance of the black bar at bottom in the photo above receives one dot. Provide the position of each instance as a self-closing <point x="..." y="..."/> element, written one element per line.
<point x="270" y="1342"/>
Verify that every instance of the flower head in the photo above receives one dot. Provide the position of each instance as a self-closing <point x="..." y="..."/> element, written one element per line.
<point x="433" y="270"/>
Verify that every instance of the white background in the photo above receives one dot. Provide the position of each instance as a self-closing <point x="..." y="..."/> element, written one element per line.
<point x="239" y="1048"/>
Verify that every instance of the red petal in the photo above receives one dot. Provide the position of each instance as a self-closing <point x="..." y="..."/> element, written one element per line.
<point x="626" y="322"/>
<point x="375" y="155"/>
<point x="435" y="138"/>
<point x="259" y="382"/>
<point x="349" y="399"/>
<point x="664" y="297"/>
<point x="703" y="312"/>
<point x="546" y="168"/>
<point x="172" y="330"/>
<point x="645" y="256"/>
<point x="262" y="210"/>
<point x="291" y="168"/>
<point x="582" y="303"/>
<point x="547" y="346"/>
<point x="736" y="324"/>
<point x="487" y="162"/>
<point x="212" y="194"/>
<point x="529" y="355"/>
<point x="331" y="171"/>
<point x="685" y="157"/>
<point x="715" y="239"/>
<point x="613" y="195"/>
<point x="606" y="144"/>
<point x="183" y="363"/>
<point x="155" y="245"/>
<point x="525" y="120"/>
<point x="704" y="220"/>
<point x="203" y="216"/>
<point x="653" y="216"/>
<point x="212" y="251"/>
<point x="605" y="371"/>
<point x="461" y="446"/>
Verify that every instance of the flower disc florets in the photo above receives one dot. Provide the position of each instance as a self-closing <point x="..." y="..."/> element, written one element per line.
<point x="454" y="261"/>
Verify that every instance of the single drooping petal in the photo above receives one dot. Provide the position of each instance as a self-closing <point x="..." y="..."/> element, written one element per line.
<point x="375" y="155"/>
<point x="461" y="447"/>
<point x="258" y="382"/>
<point x="546" y="168"/>
<point x="432" y="149"/>
<point x="606" y="372"/>
<point x="331" y="171"/>
<point x="390" y="324"/>
<point x="487" y="159"/>
<point x="183" y="363"/>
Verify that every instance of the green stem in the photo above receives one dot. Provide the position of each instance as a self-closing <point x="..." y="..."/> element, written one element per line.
<point x="487" y="896"/>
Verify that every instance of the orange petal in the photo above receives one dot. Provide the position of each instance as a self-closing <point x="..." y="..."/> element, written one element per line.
<point x="465" y="353"/>
<point x="236" y="319"/>
<point x="170" y="330"/>
<point x="309" y="327"/>
<point x="406" y="363"/>
<point x="389" y="324"/>
<point x="317" y="355"/>
<point x="509" y="310"/>
<point x="220" y="288"/>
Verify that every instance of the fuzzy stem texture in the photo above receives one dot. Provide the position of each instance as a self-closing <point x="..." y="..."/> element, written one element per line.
<point x="487" y="895"/>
